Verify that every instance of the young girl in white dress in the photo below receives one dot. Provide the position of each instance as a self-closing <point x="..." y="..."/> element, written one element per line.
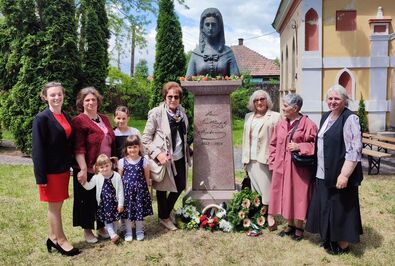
<point x="109" y="194"/>
<point x="136" y="180"/>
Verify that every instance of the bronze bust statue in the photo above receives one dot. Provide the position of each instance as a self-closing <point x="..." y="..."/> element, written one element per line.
<point x="212" y="56"/>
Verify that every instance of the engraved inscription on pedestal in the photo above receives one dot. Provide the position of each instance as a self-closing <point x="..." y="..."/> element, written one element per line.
<point x="213" y="150"/>
<point x="213" y="167"/>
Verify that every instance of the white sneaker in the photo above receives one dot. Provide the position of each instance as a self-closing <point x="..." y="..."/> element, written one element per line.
<point x="140" y="236"/>
<point x="129" y="237"/>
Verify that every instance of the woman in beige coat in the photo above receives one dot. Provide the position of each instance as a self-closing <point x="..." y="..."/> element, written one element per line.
<point x="258" y="128"/>
<point x="165" y="140"/>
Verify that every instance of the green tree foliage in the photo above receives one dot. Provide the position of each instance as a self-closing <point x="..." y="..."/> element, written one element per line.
<point x="94" y="43"/>
<point x="60" y="57"/>
<point x="41" y="37"/>
<point x="133" y="92"/>
<point x="169" y="59"/>
<point x="240" y="97"/>
<point x="363" y="118"/>
<point x="128" y="17"/>
<point x="141" y="70"/>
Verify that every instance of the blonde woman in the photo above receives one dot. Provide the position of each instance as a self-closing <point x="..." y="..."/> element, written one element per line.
<point x="258" y="129"/>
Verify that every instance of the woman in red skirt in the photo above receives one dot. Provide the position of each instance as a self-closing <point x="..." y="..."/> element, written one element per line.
<point x="52" y="160"/>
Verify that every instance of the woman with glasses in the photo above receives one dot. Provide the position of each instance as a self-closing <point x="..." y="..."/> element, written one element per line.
<point x="258" y="128"/>
<point x="165" y="140"/>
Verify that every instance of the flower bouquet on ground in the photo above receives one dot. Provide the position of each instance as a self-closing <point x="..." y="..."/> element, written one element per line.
<point x="188" y="217"/>
<point x="247" y="213"/>
<point x="212" y="217"/>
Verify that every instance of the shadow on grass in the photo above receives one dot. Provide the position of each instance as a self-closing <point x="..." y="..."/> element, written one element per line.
<point x="371" y="239"/>
<point x="152" y="231"/>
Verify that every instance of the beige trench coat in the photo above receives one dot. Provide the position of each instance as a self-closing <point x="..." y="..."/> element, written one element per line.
<point x="271" y="118"/>
<point x="157" y="138"/>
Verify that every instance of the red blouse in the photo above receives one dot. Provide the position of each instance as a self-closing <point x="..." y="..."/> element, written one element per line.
<point x="63" y="122"/>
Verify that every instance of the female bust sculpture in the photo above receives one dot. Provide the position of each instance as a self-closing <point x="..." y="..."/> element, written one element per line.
<point x="212" y="56"/>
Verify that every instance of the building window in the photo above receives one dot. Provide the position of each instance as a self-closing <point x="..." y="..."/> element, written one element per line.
<point x="346" y="20"/>
<point x="346" y="81"/>
<point x="311" y="30"/>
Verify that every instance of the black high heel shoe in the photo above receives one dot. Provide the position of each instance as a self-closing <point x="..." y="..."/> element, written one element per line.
<point x="50" y="245"/>
<point x="71" y="252"/>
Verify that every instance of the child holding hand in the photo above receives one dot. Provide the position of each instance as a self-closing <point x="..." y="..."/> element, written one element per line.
<point x="136" y="180"/>
<point x="109" y="194"/>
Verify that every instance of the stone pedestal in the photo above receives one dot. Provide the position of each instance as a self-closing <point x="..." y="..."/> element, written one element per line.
<point x="213" y="166"/>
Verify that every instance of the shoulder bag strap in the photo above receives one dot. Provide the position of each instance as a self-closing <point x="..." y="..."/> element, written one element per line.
<point x="294" y="128"/>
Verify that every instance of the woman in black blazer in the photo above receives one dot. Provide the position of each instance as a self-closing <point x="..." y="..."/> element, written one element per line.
<point x="52" y="161"/>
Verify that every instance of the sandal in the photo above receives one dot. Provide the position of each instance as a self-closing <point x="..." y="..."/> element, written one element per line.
<point x="289" y="231"/>
<point x="298" y="237"/>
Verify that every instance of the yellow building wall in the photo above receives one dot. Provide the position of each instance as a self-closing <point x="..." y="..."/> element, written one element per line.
<point x="351" y="43"/>
<point x="361" y="76"/>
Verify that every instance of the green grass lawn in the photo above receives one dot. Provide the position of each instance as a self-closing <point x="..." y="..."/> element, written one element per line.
<point x="23" y="231"/>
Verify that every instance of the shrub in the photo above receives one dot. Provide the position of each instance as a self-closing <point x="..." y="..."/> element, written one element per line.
<point x="363" y="118"/>
<point x="131" y="92"/>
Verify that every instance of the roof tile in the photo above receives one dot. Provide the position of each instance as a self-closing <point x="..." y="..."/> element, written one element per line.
<point x="254" y="63"/>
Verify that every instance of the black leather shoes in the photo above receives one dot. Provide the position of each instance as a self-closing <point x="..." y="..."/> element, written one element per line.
<point x="290" y="231"/>
<point x="335" y="249"/>
<point x="71" y="252"/>
<point x="50" y="245"/>
<point x="298" y="234"/>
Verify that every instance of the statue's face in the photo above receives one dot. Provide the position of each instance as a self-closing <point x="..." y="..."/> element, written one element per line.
<point x="210" y="27"/>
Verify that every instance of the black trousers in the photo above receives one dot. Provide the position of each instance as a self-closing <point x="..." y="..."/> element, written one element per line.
<point x="167" y="200"/>
<point x="85" y="205"/>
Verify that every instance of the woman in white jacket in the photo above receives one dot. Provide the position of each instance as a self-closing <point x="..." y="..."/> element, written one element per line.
<point x="258" y="129"/>
<point x="109" y="194"/>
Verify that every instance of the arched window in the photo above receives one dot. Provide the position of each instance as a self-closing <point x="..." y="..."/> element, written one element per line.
<point x="346" y="78"/>
<point x="311" y="30"/>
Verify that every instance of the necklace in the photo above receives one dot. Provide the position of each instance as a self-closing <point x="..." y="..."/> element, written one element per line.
<point x="97" y="119"/>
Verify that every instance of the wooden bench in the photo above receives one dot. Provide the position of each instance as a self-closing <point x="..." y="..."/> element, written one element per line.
<point x="367" y="142"/>
<point x="374" y="158"/>
<point x="379" y="137"/>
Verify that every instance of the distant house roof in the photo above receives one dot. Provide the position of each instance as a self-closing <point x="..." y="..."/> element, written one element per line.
<point x="254" y="63"/>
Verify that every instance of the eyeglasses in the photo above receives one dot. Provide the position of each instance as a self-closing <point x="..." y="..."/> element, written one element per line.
<point x="259" y="100"/>
<point x="175" y="97"/>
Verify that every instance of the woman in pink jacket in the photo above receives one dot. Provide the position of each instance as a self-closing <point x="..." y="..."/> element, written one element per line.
<point x="291" y="189"/>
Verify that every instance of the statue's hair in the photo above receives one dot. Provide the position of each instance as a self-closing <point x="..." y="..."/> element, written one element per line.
<point x="212" y="12"/>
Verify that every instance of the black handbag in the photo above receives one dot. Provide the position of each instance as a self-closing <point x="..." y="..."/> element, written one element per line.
<point x="246" y="182"/>
<point x="301" y="160"/>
